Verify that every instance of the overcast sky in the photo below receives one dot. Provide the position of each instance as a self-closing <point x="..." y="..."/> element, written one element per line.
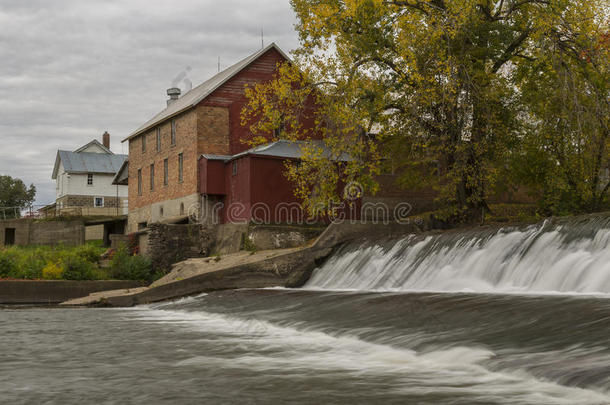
<point x="72" y="69"/>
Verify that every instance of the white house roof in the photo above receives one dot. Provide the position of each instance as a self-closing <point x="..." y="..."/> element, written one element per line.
<point x="87" y="162"/>
<point x="96" y="143"/>
<point x="197" y="94"/>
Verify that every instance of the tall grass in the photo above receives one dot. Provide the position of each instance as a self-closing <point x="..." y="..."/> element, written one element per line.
<point x="67" y="263"/>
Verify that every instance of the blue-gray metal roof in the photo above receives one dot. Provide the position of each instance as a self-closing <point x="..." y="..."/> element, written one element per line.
<point x="282" y="149"/>
<point x="290" y="150"/>
<point x="85" y="162"/>
<point x="216" y="157"/>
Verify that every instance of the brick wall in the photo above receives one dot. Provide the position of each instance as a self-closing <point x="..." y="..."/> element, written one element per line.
<point x="186" y="143"/>
<point x="213" y="130"/>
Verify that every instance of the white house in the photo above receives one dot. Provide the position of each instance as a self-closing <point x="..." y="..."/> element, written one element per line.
<point x="84" y="181"/>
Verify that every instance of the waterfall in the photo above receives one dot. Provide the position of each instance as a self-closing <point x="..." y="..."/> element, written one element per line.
<point x="567" y="256"/>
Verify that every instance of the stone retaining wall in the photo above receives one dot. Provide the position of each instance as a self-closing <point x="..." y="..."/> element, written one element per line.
<point x="168" y="243"/>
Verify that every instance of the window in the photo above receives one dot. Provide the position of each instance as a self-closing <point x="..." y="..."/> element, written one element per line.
<point x="173" y="132"/>
<point x="98" y="202"/>
<point x="234" y="167"/>
<point x="152" y="177"/>
<point x="181" y="208"/>
<point x="89" y="179"/>
<point x="139" y="181"/>
<point x="165" y="172"/>
<point x="180" y="166"/>
<point x="143" y="143"/>
<point x="158" y="139"/>
<point x="142" y="225"/>
<point x="161" y="211"/>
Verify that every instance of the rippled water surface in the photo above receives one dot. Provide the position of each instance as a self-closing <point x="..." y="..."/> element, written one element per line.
<point x="292" y="346"/>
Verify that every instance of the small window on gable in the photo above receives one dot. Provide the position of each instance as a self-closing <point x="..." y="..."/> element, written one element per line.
<point x="144" y="143"/>
<point x="173" y="132"/>
<point x="158" y="139"/>
<point x="98" y="202"/>
<point x="89" y="179"/>
<point x="234" y="167"/>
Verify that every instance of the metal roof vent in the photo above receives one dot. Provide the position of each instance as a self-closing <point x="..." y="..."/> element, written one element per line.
<point x="174" y="94"/>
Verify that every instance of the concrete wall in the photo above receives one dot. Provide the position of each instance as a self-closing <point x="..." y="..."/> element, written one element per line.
<point x="117" y="240"/>
<point x="22" y="231"/>
<point x="171" y="209"/>
<point x="54" y="292"/>
<point x="70" y="233"/>
<point x="265" y="237"/>
<point x="95" y="232"/>
<point x="32" y="232"/>
<point x="228" y="238"/>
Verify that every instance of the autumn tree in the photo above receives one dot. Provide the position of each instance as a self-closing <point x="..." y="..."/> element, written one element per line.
<point x="428" y="87"/>
<point x="565" y="91"/>
<point x="14" y="196"/>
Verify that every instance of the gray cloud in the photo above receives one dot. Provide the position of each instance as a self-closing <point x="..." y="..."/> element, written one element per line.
<point x="72" y="69"/>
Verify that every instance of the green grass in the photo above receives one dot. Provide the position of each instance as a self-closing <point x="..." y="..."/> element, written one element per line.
<point x="69" y="263"/>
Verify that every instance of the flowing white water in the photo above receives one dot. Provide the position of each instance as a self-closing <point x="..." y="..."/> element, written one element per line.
<point x="271" y="349"/>
<point x="571" y="257"/>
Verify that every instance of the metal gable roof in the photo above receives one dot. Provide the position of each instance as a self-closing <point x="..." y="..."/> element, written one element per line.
<point x="121" y="177"/>
<point x="282" y="149"/>
<point x="86" y="162"/>
<point x="96" y="143"/>
<point x="197" y="94"/>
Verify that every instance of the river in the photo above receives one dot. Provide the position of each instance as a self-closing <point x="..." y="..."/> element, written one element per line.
<point x="511" y="316"/>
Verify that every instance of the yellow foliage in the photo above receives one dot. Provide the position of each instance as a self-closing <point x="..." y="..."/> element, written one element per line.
<point x="52" y="271"/>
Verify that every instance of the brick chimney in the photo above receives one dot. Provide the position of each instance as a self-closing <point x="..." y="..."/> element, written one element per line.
<point x="174" y="94"/>
<point x="106" y="140"/>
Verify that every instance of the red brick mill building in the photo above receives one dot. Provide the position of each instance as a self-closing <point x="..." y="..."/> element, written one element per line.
<point x="194" y="150"/>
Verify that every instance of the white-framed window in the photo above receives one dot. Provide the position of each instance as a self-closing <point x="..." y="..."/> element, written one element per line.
<point x="98" y="202"/>
<point x="234" y="167"/>
<point x="89" y="179"/>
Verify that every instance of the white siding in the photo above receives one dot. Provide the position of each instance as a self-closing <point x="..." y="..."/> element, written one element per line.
<point x="102" y="186"/>
<point x="93" y="148"/>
